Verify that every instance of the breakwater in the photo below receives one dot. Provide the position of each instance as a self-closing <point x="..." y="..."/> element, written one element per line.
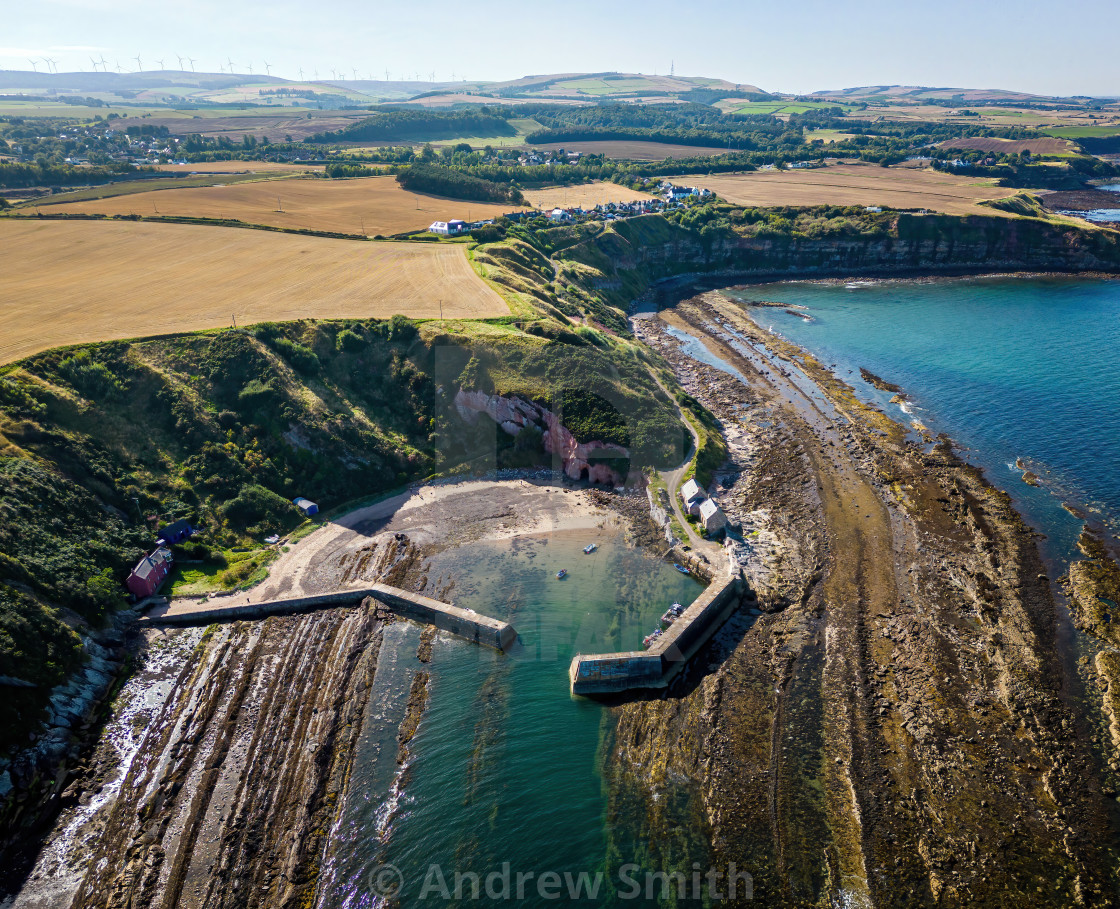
<point x="607" y="673"/>
<point x="465" y="623"/>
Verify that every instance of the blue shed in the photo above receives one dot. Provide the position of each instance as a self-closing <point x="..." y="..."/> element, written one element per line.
<point x="176" y="533"/>
<point x="306" y="506"/>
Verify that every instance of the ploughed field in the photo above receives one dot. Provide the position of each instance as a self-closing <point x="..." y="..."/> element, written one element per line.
<point x="855" y="184"/>
<point x="70" y="282"/>
<point x="373" y="205"/>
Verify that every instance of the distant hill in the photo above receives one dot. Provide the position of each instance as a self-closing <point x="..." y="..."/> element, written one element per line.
<point x="164" y="86"/>
<point x="917" y="93"/>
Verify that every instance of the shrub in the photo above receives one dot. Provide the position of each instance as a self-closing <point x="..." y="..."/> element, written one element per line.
<point x="254" y="506"/>
<point x="92" y="378"/>
<point x="302" y="358"/>
<point x="349" y="341"/>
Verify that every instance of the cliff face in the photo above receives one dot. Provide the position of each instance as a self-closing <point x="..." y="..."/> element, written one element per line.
<point x="629" y="259"/>
<point x="579" y="460"/>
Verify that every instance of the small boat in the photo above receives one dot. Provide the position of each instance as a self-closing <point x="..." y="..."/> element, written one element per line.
<point x="650" y="638"/>
<point x="673" y="613"/>
<point x="681" y="569"/>
<point x="561" y="574"/>
<point x="590" y="548"/>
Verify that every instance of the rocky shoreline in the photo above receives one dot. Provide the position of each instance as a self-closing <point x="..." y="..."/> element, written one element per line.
<point x="894" y="728"/>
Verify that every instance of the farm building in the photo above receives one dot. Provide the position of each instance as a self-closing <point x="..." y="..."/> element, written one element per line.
<point x="449" y="228"/>
<point x="712" y="517"/>
<point x="306" y="506"/>
<point x="150" y="572"/>
<point x="692" y="495"/>
<point x="176" y="532"/>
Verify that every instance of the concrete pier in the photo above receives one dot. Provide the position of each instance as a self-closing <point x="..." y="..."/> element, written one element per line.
<point x="609" y="673"/>
<point x="466" y="623"/>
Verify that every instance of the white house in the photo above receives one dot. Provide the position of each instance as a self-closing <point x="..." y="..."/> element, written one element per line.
<point x="448" y="228"/>
<point x="692" y="494"/>
<point x="559" y="214"/>
<point x="713" y="519"/>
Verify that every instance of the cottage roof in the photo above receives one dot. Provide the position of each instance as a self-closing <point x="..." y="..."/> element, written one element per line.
<point x="692" y="490"/>
<point x="708" y="509"/>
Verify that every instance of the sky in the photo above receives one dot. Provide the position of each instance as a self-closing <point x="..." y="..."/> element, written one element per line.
<point x="800" y="47"/>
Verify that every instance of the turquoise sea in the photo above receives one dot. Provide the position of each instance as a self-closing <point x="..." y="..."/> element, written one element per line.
<point x="1008" y="367"/>
<point x="505" y="774"/>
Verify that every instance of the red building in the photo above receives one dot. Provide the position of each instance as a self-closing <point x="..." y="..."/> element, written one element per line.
<point x="150" y="572"/>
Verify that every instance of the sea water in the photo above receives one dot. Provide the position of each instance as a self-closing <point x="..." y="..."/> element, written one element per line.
<point x="507" y="767"/>
<point x="1010" y="368"/>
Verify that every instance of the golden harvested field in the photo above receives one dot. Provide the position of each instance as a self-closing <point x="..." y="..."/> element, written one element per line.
<point x="585" y="195"/>
<point x="376" y="205"/>
<point x="854" y="184"/>
<point x="240" y="167"/>
<point x="69" y="282"/>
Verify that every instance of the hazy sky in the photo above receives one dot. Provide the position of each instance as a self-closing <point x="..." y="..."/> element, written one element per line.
<point x="1026" y="45"/>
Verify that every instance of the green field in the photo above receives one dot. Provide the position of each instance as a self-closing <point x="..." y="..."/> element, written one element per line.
<point x="605" y="86"/>
<point x="1083" y="132"/>
<point x="759" y="108"/>
<point x="827" y="135"/>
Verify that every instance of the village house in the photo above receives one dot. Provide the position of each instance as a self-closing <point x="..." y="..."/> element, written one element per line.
<point x="449" y="228"/>
<point x="150" y="573"/>
<point x="712" y="517"/>
<point x="692" y="494"/>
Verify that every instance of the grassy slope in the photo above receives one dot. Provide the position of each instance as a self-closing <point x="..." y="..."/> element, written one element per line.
<point x="225" y="427"/>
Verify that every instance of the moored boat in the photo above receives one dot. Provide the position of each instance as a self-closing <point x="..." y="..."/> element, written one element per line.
<point x="561" y="574"/>
<point x="673" y="613"/>
<point x="649" y="640"/>
<point x="681" y="569"/>
<point x="590" y="548"/>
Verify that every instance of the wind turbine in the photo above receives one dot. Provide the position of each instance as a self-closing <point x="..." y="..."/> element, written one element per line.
<point x="355" y="72"/>
<point x="94" y="62"/>
<point x="180" y="59"/>
<point x="104" y="65"/>
<point x="301" y="74"/>
<point x="53" y="63"/>
<point x="160" y="62"/>
<point x="139" y="65"/>
<point x="250" y="68"/>
<point x="332" y="74"/>
<point x="34" y="64"/>
<point x="192" y="63"/>
<point x="230" y="62"/>
<point x="268" y="69"/>
<point x="386" y="75"/>
<point x="120" y="68"/>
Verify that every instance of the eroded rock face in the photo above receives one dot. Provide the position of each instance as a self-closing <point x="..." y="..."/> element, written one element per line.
<point x="230" y="799"/>
<point x="579" y="459"/>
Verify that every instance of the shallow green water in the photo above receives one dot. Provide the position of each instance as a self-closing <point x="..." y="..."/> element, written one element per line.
<point x="506" y="766"/>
